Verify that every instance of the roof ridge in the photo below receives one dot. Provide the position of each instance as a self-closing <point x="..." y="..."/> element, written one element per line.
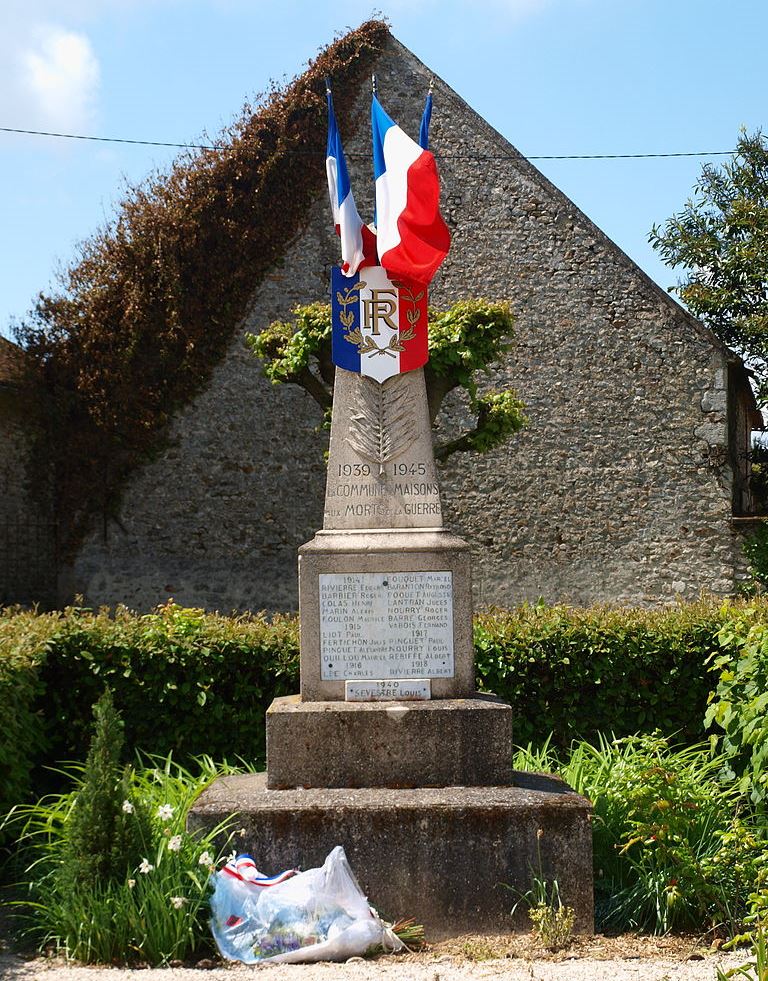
<point x="554" y="191"/>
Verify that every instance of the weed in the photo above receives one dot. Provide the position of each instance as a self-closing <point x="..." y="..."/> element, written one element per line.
<point x="754" y="970"/>
<point x="673" y="848"/>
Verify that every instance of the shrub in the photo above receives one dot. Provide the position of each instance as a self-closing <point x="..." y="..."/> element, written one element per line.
<point x="106" y="826"/>
<point x="739" y="704"/>
<point x="151" y="910"/>
<point x="184" y="681"/>
<point x="578" y="672"/>
<point x="23" y="644"/>
<point x="755" y="548"/>
<point x="192" y="683"/>
<point x="673" y="849"/>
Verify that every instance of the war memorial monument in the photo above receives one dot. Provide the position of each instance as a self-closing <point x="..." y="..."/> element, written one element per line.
<point x="388" y="749"/>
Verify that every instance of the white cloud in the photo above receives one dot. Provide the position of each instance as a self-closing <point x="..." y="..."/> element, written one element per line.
<point x="59" y="76"/>
<point x="49" y="72"/>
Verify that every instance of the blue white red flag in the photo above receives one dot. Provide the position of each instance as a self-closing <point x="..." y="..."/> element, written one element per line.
<point x="379" y="326"/>
<point x="425" y="120"/>
<point x="349" y="225"/>
<point x="412" y="237"/>
<point x="243" y="867"/>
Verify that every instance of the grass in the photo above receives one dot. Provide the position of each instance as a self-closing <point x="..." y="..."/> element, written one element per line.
<point x="154" y="914"/>
<point x="674" y="848"/>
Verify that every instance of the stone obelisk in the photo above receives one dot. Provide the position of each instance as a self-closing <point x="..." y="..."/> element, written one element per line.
<point x="386" y="617"/>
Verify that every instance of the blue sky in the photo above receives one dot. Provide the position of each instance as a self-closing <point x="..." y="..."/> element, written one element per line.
<point x="553" y="76"/>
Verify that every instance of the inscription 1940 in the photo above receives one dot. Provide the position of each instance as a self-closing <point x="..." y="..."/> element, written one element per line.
<point x="386" y="625"/>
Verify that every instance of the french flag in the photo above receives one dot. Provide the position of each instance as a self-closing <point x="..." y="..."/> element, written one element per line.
<point x="412" y="238"/>
<point x="358" y="243"/>
<point x="243" y="867"/>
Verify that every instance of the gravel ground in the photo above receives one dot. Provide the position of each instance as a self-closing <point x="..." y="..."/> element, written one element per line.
<point x="591" y="961"/>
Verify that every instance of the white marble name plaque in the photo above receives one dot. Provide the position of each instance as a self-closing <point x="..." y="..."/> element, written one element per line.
<point x="394" y="690"/>
<point x="381" y="625"/>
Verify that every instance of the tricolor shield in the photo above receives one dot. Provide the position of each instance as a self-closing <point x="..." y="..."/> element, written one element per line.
<point x="379" y="326"/>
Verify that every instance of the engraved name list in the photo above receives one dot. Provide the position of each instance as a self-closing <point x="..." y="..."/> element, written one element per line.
<point x="386" y="625"/>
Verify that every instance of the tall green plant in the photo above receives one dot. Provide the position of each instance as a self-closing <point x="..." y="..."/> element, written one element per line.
<point x="739" y="705"/>
<point x="107" y="824"/>
<point x="157" y="910"/>
<point x="671" y="849"/>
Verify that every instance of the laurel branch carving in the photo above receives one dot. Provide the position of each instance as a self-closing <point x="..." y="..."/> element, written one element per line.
<point x="382" y="424"/>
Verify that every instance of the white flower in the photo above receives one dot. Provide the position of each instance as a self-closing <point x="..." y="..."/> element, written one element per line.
<point x="127" y="807"/>
<point x="174" y="844"/>
<point x="145" y="868"/>
<point x="178" y="901"/>
<point x="205" y="859"/>
<point x="131" y="883"/>
<point x="232" y="856"/>
<point x="165" y="812"/>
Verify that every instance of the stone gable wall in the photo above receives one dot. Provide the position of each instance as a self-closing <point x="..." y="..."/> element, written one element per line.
<point x="619" y="490"/>
<point x="27" y="534"/>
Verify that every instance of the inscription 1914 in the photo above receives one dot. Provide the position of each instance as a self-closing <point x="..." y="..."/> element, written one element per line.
<point x="386" y="625"/>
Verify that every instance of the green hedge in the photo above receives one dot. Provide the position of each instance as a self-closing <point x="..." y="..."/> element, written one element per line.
<point x="23" y="646"/>
<point x="578" y="672"/>
<point x="195" y="683"/>
<point x="183" y="680"/>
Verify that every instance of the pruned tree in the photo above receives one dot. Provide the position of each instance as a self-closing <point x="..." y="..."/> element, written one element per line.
<point x="465" y="340"/>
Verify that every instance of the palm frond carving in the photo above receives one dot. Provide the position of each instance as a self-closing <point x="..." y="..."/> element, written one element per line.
<point x="382" y="422"/>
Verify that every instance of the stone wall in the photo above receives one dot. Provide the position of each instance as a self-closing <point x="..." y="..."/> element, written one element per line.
<point x="620" y="489"/>
<point x="27" y="533"/>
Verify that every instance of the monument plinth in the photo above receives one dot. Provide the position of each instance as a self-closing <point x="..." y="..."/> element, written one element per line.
<point x="456" y="742"/>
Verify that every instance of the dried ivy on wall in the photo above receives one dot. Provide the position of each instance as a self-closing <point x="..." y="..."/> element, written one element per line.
<point x="152" y="301"/>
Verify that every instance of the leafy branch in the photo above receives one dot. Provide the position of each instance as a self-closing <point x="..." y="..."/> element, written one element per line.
<point x="467" y="339"/>
<point x="719" y="240"/>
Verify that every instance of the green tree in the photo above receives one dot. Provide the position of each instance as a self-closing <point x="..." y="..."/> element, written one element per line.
<point x="469" y="338"/>
<point x="720" y="239"/>
<point x="108" y="826"/>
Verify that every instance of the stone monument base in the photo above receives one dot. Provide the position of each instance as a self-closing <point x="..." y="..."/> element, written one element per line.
<point x="444" y="856"/>
<point x="452" y="742"/>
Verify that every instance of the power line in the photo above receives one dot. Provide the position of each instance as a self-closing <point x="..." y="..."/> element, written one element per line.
<point x="442" y="156"/>
<point x="108" y="139"/>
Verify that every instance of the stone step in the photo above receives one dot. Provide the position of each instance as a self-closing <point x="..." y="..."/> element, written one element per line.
<point x="456" y="859"/>
<point x="441" y="743"/>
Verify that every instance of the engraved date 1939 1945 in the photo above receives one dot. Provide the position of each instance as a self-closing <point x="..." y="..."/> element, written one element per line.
<point x="397" y="469"/>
